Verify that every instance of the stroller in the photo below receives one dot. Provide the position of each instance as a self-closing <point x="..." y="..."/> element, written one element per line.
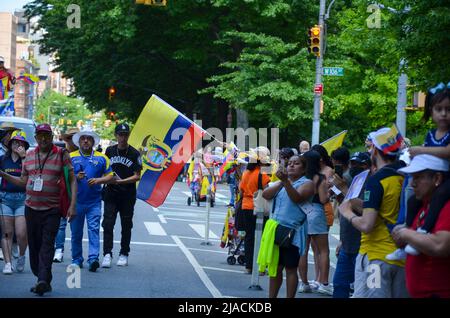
<point x="199" y="191"/>
<point x="233" y="240"/>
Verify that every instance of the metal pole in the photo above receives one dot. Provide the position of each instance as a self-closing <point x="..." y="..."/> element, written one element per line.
<point x="319" y="63"/>
<point x="208" y="206"/>
<point x="258" y="233"/>
<point x="401" y="99"/>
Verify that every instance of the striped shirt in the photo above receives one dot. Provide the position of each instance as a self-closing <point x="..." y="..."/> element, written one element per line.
<point x="48" y="198"/>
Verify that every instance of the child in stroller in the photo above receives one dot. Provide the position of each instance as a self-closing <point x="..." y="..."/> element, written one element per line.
<point x="233" y="240"/>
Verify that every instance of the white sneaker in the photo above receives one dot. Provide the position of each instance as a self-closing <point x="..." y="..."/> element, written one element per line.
<point x="314" y="285"/>
<point x="106" y="263"/>
<point x="398" y="255"/>
<point x="122" y="261"/>
<point x="1" y="255"/>
<point x="15" y="250"/>
<point x="59" y="255"/>
<point x="20" y="264"/>
<point x="304" y="288"/>
<point x="8" y="270"/>
<point x="411" y="250"/>
<point x="325" y="289"/>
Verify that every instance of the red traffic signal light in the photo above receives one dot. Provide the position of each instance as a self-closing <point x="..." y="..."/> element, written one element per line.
<point x="314" y="40"/>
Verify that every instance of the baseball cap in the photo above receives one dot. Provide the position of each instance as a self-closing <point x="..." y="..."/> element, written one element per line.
<point x="425" y="162"/>
<point x="43" y="128"/>
<point x="361" y="157"/>
<point x="387" y="140"/>
<point x="2" y="59"/>
<point x="122" y="128"/>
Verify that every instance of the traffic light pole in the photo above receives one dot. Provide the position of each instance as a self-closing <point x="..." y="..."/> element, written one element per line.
<point x="319" y="70"/>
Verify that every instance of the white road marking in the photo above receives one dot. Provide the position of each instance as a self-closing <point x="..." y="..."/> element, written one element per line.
<point x="201" y="221"/>
<point x="200" y="272"/>
<point x="154" y="228"/>
<point x="196" y="238"/>
<point x="192" y="214"/>
<point x="199" y="249"/>
<point x="155" y="209"/>
<point x="162" y="219"/>
<point x="200" y="229"/>
<point x="196" y="209"/>
<point x="223" y="269"/>
<point x="137" y="243"/>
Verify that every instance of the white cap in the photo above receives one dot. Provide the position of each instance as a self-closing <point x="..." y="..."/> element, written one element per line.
<point x="425" y="162"/>
<point x="2" y="59"/>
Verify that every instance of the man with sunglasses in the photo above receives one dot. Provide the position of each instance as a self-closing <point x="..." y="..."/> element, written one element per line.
<point x="120" y="194"/>
<point x="41" y="172"/>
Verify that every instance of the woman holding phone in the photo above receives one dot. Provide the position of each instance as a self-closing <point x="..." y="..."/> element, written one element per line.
<point x="13" y="202"/>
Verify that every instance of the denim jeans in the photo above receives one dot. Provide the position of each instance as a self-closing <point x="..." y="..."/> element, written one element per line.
<point x="232" y="192"/>
<point x="344" y="274"/>
<point x="92" y="213"/>
<point x="61" y="236"/>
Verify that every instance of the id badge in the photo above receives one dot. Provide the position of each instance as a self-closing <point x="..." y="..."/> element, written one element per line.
<point x="38" y="184"/>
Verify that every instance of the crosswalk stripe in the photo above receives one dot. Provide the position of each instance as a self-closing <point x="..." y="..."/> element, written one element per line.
<point x="154" y="228"/>
<point x="162" y="218"/>
<point x="191" y="220"/>
<point x="200" y="229"/>
<point x="155" y="209"/>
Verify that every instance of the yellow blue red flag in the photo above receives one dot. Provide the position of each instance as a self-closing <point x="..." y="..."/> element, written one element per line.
<point x="334" y="142"/>
<point x="166" y="140"/>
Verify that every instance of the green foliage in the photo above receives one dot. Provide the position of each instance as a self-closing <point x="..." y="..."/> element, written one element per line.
<point x="205" y="56"/>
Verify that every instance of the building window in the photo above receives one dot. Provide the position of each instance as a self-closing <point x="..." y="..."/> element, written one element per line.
<point x="22" y="28"/>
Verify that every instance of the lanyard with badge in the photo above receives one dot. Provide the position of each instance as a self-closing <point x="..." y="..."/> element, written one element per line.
<point x="38" y="182"/>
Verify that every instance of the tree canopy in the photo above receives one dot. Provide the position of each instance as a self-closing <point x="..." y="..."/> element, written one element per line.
<point x="206" y="56"/>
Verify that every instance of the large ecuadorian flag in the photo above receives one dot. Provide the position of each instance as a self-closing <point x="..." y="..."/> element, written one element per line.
<point x="166" y="140"/>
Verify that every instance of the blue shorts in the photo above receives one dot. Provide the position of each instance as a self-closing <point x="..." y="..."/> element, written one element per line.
<point x="13" y="204"/>
<point x="317" y="221"/>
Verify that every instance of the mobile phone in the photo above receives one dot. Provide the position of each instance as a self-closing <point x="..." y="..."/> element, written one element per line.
<point x="339" y="170"/>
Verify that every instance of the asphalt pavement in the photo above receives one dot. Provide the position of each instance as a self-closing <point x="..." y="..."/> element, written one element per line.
<point x="168" y="259"/>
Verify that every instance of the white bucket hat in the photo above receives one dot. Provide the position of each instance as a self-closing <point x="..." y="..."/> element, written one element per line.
<point x="425" y="162"/>
<point x="76" y="138"/>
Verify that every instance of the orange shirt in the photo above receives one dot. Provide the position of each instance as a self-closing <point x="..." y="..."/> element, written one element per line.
<point x="249" y="185"/>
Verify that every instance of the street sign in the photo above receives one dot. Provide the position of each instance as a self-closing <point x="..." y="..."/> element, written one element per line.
<point x="318" y="88"/>
<point x="333" y="71"/>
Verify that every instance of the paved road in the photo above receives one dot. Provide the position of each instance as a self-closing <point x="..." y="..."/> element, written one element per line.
<point x="167" y="259"/>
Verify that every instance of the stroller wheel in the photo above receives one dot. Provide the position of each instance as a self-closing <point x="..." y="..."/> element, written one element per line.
<point x="231" y="260"/>
<point x="241" y="260"/>
<point x="212" y="203"/>
<point x="189" y="201"/>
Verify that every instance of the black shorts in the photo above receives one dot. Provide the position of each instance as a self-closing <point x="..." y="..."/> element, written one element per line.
<point x="289" y="256"/>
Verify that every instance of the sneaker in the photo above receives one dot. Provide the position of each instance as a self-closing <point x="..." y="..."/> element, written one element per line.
<point x="314" y="285"/>
<point x="106" y="263"/>
<point x="304" y="288"/>
<point x="122" y="261"/>
<point x="15" y="250"/>
<point x="59" y="255"/>
<point x="94" y="265"/>
<point x="1" y="255"/>
<point x="411" y="250"/>
<point x="76" y="265"/>
<point x="8" y="270"/>
<point x="20" y="264"/>
<point x="397" y="255"/>
<point x="325" y="289"/>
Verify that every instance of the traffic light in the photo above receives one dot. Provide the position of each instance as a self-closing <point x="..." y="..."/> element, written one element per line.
<point x="107" y="123"/>
<point x="112" y="92"/>
<point x="314" y="40"/>
<point x="61" y="122"/>
<point x="158" y="3"/>
<point x="111" y="115"/>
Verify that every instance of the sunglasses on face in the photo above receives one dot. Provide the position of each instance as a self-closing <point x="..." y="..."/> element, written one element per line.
<point x="439" y="87"/>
